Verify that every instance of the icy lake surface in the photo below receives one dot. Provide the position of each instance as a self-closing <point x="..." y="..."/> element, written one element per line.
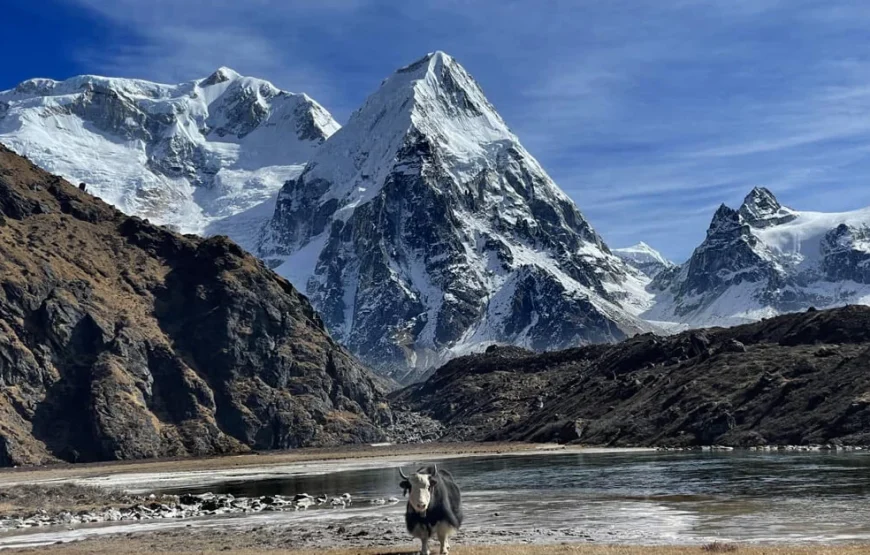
<point x="625" y="497"/>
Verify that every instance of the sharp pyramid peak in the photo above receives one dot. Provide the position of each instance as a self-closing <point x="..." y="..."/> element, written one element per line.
<point x="431" y="105"/>
<point x="434" y="96"/>
<point x="439" y="59"/>
<point x="725" y="216"/>
<point x="443" y="99"/>
<point x="432" y="60"/>
<point x="437" y="73"/>
<point x="760" y="195"/>
<point x="761" y="209"/>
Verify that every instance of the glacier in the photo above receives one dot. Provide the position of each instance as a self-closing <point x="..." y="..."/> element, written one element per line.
<point x="185" y="155"/>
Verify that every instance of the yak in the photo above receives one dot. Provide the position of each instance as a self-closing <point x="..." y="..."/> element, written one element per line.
<point x="434" y="507"/>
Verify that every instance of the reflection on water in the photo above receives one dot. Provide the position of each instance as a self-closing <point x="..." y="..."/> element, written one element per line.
<point x="650" y="497"/>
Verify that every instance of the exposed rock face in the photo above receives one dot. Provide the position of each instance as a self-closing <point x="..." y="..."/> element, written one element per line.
<point x="423" y="229"/>
<point x="120" y="339"/>
<point x="761" y="209"/>
<point x="846" y="253"/>
<point x="765" y="259"/>
<point x="187" y="155"/>
<point x="795" y="379"/>
<point x="727" y="257"/>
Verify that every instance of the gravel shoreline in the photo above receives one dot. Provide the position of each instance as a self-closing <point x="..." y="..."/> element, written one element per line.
<point x="302" y="460"/>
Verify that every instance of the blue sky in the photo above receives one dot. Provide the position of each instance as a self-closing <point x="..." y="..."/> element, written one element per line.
<point x="649" y="113"/>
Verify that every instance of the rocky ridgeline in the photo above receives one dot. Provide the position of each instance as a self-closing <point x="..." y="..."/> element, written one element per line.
<point x="183" y="506"/>
<point x="765" y="258"/>
<point x="122" y="340"/>
<point x="795" y="380"/>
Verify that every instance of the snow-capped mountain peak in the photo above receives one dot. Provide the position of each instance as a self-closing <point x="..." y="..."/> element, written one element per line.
<point x="424" y="228"/>
<point x="220" y="75"/>
<point x="434" y="98"/>
<point x="765" y="259"/>
<point x="644" y="258"/>
<point x="185" y="155"/>
<point x="761" y="209"/>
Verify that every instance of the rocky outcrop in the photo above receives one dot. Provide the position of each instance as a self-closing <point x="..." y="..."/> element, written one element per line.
<point x="761" y="209"/>
<point x="799" y="379"/>
<point x="846" y="253"/>
<point x="120" y="339"/>
<point x="728" y="257"/>
<point x="183" y="506"/>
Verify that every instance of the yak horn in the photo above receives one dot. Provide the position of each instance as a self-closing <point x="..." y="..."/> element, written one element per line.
<point x="402" y="474"/>
<point x="435" y="466"/>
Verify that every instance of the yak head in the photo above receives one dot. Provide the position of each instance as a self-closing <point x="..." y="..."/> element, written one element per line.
<point x="420" y="484"/>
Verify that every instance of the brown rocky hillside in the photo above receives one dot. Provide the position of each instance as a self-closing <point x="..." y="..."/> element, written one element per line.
<point x="795" y="379"/>
<point x="120" y="339"/>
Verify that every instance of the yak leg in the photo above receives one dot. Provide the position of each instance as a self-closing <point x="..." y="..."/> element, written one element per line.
<point x="444" y="532"/>
<point x="445" y="544"/>
<point x="424" y="549"/>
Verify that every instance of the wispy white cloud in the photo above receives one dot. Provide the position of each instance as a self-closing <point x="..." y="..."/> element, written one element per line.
<point x="175" y="41"/>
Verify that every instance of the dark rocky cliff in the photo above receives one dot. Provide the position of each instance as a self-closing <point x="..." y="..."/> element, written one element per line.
<point x="796" y="379"/>
<point x="120" y="339"/>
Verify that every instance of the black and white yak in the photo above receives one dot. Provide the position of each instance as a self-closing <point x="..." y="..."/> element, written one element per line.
<point x="434" y="506"/>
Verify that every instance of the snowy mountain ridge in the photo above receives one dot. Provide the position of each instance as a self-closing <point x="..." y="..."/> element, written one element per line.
<point x="183" y="155"/>
<point x="644" y="258"/>
<point x="765" y="259"/>
<point x="423" y="229"/>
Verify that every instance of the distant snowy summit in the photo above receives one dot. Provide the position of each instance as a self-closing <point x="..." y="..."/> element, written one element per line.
<point x="423" y="229"/>
<point x="183" y="155"/>
<point x="765" y="259"/>
<point x="644" y="258"/>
